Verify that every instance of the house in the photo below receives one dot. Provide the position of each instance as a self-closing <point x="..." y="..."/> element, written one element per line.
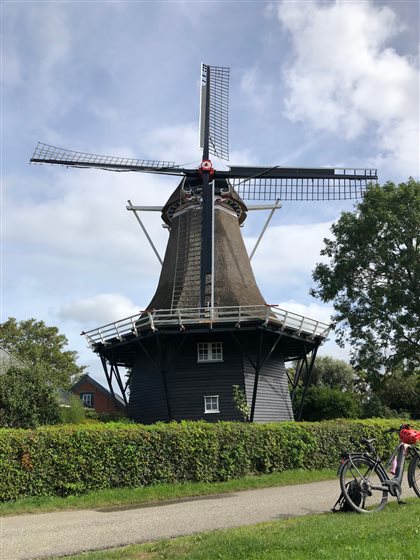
<point x="64" y="397"/>
<point x="95" y="396"/>
<point x="8" y="360"/>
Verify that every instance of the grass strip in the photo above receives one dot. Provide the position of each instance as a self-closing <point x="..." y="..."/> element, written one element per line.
<point x="393" y="534"/>
<point x="159" y="492"/>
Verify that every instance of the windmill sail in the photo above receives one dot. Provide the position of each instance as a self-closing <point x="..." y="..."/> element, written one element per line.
<point x="215" y="103"/>
<point x="299" y="184"/>
<point x="45" y="153"/>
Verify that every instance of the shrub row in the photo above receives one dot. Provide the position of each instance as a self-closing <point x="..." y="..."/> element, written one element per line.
<point x="64" y="460"/>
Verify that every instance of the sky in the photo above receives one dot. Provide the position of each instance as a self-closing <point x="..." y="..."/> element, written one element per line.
<point x="313" y="83"/>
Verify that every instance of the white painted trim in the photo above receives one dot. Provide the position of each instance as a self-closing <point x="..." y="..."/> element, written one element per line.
<point x="218" y="404"/>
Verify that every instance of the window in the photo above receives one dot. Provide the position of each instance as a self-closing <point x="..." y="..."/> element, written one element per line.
<point x="210" y="352"/>
<point x="87" y="398"/>
<point x="211" y="404"/>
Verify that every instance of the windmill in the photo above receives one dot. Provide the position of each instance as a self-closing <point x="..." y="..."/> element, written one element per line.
<point x="208" y="327"/>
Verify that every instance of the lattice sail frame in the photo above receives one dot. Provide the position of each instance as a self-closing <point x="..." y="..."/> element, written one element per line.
<point x="45" y="153"/>
<point x="218" y="110"/>
<point x="301" y="189"/>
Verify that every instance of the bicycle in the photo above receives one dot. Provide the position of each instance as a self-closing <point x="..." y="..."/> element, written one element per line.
<point x="364" y="481"/>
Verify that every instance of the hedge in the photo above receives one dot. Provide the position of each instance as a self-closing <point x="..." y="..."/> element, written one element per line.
<point x="69" y="459"/>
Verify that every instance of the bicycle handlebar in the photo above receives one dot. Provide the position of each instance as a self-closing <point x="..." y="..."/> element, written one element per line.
<point x="397" y="430"/>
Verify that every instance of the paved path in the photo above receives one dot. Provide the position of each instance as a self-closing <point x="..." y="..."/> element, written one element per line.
<point x="26" y="537"/>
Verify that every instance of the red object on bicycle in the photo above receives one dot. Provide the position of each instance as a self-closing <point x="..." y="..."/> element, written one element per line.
<point x="409" y="436"/>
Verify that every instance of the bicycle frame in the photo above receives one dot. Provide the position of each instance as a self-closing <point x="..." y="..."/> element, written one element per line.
<point x="413" y="452"/>
<point x="376" y="463"/>
<point x="392" y="485"/>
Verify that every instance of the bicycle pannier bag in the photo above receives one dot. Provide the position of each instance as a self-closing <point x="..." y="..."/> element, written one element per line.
<point x="354" y="493"/>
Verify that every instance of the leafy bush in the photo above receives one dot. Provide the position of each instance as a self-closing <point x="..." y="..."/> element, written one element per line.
<point x="326" y="403"/>
<point x="73" y="459"/>
<point x="26" y="398"/>
<point x="240" y="402"/>
<point x="74" y="413"/>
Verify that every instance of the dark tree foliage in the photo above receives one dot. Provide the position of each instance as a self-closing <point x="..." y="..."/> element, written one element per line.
<point x="326" y="403"/>
<point x="27" y="399"/>
<point x="401" y="393"/>
<point x="34" y="344"/>
<point x="373" y="278"/>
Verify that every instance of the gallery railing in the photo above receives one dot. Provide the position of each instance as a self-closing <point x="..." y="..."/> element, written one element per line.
<point x="182" y="318"/>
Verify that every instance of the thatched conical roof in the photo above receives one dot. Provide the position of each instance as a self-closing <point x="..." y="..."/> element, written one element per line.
<point x="179" y="282"/>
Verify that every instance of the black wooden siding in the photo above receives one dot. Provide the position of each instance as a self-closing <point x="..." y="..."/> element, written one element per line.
<point x="188" y="381"/>
<point x="147" y="402"/>
<point x="192" y="380"/>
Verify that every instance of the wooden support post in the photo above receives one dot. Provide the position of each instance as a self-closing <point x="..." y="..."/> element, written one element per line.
<point x="256" y="378"/>
<point x="308" y="379"/>
<point x="108" y="375"/>
<point x="120" y="383"/>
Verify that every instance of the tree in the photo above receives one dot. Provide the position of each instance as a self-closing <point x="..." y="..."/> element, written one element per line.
<point x="35" y="344"/>
<point x="27" y="399"/>
<point x="401" y="394"/>
<point x="373" y="407"/>
<point x="373" y="278"/>
<point x="326" y="403"/>
<point x="332" y="391"/>
<point x="333" y="373"/>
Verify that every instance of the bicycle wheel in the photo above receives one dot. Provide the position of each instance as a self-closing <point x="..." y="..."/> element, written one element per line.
<point x="414" y="474"/>
<point x="361" y="484"/>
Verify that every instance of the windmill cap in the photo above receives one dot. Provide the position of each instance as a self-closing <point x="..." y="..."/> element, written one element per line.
<point x="180" y="197"/>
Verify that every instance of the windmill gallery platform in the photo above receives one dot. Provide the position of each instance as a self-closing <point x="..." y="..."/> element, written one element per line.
<point x="184" y="363"/>
<point x="208" y="333"/>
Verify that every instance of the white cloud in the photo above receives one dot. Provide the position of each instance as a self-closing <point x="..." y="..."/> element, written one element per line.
<point x="287" y="254"/>
<point x="50" y="38"/>
<point x="193" y="12"/>
<point x="258" y="92"/>
<point x="242" y="157"/>
<point x="11" y="74"/>
<point x="99" y="310"/>
<point x="52" y="26"/>
<point x="330" y="348"/>
<point x="81" y="213"/>
<point x="346" y="78"/>
<point x="320" y="312"/>
<point x="174" y="143"/>
<point x="69" y="236"/>
<point x="315" y="311"/>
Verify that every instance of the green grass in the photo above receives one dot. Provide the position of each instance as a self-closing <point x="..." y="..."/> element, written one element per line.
<point x="392" y="534"/>
<point x="160" y="492"/>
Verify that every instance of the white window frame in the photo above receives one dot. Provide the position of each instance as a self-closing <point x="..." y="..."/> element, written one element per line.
<point x="208" y="404"/>
<point x="209" y="352"/>
<point x="84" y="401"/>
